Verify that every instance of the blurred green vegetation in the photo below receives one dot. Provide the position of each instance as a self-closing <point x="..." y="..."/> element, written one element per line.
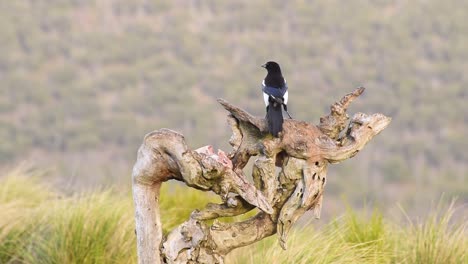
<point x="42" y="225"/>
<point x="81" y="82"/>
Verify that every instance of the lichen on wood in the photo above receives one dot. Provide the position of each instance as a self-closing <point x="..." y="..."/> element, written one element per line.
<point x="302" y="152"/>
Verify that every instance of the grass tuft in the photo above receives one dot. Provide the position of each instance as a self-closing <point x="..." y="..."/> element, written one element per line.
<point x="93" y="228"/>
<point x="437" y="239"/>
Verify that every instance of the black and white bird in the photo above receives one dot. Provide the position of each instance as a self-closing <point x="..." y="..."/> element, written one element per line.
<point x="275" y="95"/>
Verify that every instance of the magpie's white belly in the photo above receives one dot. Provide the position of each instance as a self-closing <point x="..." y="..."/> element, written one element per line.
<point x="285" y="97"/>
<point x="265" y="99"/>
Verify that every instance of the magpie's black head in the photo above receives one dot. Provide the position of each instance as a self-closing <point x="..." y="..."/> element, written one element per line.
<point x="272" y="67"/>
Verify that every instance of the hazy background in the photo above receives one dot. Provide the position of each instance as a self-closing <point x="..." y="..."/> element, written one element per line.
<point x="81" y="83"/>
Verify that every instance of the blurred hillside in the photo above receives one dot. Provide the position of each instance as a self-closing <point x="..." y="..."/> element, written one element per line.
<point x="81" y="83"/>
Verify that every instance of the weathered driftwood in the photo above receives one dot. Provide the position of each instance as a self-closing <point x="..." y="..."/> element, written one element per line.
<point x="302" y="152"/>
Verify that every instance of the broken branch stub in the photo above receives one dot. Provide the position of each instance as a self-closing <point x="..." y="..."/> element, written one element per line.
<point x="302" y="152"/>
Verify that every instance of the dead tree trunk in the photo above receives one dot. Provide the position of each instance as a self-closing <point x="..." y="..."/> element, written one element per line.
<point x="302" y="152"/>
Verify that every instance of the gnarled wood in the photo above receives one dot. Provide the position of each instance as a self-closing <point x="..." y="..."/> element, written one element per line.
<point x="302" y="152"/>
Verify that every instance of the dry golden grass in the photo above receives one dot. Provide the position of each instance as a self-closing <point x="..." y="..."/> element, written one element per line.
<point x="39" y="225"/>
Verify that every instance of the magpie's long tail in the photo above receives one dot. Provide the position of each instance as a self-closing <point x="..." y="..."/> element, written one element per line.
<point x="274" y="118"/>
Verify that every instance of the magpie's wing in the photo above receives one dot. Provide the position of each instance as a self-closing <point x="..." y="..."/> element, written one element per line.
<point x="275" y="92"/>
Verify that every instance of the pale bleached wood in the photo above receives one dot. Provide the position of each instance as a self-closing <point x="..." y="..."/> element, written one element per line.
<point x="302" y="152"/>
<point x="148" y="223"/>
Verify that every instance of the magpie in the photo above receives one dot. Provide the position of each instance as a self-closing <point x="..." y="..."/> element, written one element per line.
<point x="275" y="96"/>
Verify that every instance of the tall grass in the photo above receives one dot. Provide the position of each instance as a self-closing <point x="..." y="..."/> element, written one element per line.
<point x="39" y="225"/>
<point x="24" y="188"/>
<point x="20" y="194"/>
<point x="437" y="239"/>
<point x="96" y="228"/>
<point x="356" y="238"/>
<point x="349" y="239"/>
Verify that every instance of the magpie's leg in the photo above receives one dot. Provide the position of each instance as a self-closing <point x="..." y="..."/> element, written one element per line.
<point x="286" y="109"/>
<point x="266" y="111"/>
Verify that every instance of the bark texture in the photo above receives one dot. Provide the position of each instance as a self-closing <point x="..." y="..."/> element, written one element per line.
<point x="302" y="153"/>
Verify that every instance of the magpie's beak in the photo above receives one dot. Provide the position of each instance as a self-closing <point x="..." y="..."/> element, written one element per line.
<point x="264" y="65"/>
